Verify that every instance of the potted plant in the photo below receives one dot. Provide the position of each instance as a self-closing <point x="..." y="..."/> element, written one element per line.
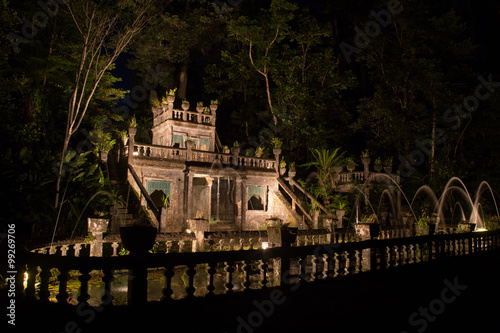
<point x="214" y="104"/>
<point x="206" y="110"/>
<point x="365" y="157"/>
<point x="388" y="165"/>
<point x="259" y="151"/>
<point x="368" y="227"/>
<point x="225" y="149"/>
<point x="350" y="163"/>
<point x="276" y="143"/>
<point x="170" y="98"/>
<point x="424" y="226"/>
<point x="249" y="152"/>
<point x="291" y="170"/>
<point x="378" y="164"/>
<point x="103" y="142"/>
<point x="340" y="203"/>
<point x="199" y="107"/>
<point x="235" y="150"/>
<point x="185" y="105"/>
<point x="282" y="166"/>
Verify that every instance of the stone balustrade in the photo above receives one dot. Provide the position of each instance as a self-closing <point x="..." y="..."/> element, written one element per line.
<point x="243" y="271"/>
<point x="161" y="115"/>
<point x="185" y="154"/>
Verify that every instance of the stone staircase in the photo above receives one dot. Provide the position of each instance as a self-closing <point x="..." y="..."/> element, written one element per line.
<point x="122" y="215"/>
<point x="295" y="214"/>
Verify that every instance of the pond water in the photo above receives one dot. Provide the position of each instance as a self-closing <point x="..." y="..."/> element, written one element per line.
<point x="156" y="284"/>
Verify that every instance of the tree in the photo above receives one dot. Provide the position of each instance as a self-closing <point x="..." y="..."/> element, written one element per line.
<point x="260" y="37"/>
<point x="181" y="35"/>
<point x="414" y="66"/>
<point x="105" y="28"/>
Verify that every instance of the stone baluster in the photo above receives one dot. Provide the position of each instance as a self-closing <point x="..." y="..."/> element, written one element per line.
<point x="250" y="243"/>
<point x="115" y="246"/>
<point x="221" y="245"/>
<point x="64" y="250"/>
<point x="263" y="267"/>
<point x="247" y="268"/>
<point x="242" y="242"/>
<point x="167" y="291"/>
<point x="231" y="244"/>
<point x="84" y="285"/>
<point x="181" y="246"/>
<point x="30" y="287"/>
<point x="77" y="248"/>
<point x="44" y="285"/>
<point x="62" y="296"/>
<point x="211" y="272"/>
<point x="229" y="269"/>
<point x="191" y="272"/>
<point x="168" y="246"/>
<point x="108" y="278"/>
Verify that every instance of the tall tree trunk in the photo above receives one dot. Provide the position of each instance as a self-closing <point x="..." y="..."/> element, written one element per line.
<point x="183" y="79"/>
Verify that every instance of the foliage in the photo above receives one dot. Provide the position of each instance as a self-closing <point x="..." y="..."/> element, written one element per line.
<point x="369" y="218"/>
<point x="349" y="161"/>
<point x="282" y="163"/>
<point x="276" y="142"/>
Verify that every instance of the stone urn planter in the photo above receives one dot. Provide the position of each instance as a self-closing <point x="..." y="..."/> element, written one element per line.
<point x="213" y="107"/>
<point x="185" y="106"/>
<point x="97" y="224"/>
<point x="282" y="171"/>
<point x="388" y="169"/>
<point x="281" y="236"/>
<point x="235" y="150"/>
<point x="276" y="151"/>
<point x="199" y="109"/>
<point x="365" y="160"/>
<point x="378" y="167"/>
<point x="466" y="227"/>
<point x="367" y="230"/>
<point x="351" y="168"/>
<point x="338" y="169"/>
<point x="138" y="239"/>
<point x="425" y="230"/>
<point x="292" y="174"/>
<point x="170" y="99"/>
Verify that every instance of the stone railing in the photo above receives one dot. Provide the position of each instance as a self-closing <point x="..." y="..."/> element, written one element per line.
<point x="161" y="115"/>
<point x="244" y="271"/>
<point x="186" y="154"/>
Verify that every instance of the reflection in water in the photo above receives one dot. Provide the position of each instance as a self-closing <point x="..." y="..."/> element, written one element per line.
<point x="156" y="283"/>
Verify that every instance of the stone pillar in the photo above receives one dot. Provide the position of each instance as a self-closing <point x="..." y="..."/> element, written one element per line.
<point x="97" y="226"/>
<point x="277" y="152"/>
<point x="190" y="145"/>
<point x="131" y="141"/>
<point x="235" y="151"/>
<point x="163" y="220"/>
<point x="188" y="202"/>
<point x="366" y="163"/>
<point x="239" y="203"/>
<point x="315" y="217"/>
<point x="244" y="203"/>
